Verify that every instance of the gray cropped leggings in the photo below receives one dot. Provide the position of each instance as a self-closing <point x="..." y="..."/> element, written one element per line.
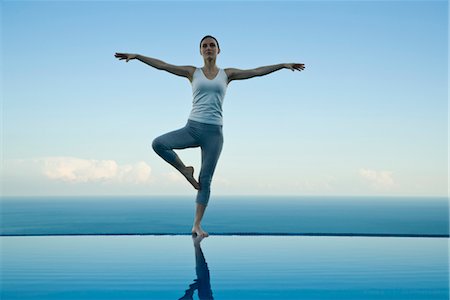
<point x="195" y="134"/>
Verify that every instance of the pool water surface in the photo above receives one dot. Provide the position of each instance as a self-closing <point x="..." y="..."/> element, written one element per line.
<point x="223" y="267"/>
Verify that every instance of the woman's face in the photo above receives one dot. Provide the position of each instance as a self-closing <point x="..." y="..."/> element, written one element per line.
<point x="209" y="48"/>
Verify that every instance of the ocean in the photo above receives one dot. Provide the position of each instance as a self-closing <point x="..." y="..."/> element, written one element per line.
<point x="288" y="248"/>
<point x="251" y="215"/>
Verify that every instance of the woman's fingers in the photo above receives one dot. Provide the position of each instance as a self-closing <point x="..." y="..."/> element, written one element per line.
<point x="294" y="66"/>
<point x="121" y="55"/>
<point x="126" y="56"/>
<point x="299" y="67"/>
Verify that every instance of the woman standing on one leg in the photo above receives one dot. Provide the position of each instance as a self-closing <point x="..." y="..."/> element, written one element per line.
<point x="204" y="125"/>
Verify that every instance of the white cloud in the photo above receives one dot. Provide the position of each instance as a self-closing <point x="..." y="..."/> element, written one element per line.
<point x="377" y="179"/>
<point x="315" y="184"/>
<point x="137" y="173"/>
<point x="72" y="169"/>
<point x="174" y="176"/>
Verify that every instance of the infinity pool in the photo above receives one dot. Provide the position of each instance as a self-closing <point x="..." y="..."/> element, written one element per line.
<point x="223" y="267"/>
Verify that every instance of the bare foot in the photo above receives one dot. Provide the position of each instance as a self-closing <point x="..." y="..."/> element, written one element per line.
<point x="189" y="174"/>
<point x="197" y="230"/>
<point x="197" y="239"/>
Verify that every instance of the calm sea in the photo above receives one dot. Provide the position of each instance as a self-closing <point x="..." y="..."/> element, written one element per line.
<point x="382" y="216"/>
<point x="376" y="248"/>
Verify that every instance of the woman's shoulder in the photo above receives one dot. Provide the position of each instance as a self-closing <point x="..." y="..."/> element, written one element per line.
<point x="191" y="71"/>
<point x="230" y="73"/>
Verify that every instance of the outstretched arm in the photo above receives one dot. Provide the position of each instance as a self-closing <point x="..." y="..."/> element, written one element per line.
<point x="184" y="71"/>
<point x="237" y="74"/>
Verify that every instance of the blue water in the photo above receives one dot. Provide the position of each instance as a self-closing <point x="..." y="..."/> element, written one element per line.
<point x="377" y="248"/>
<point x="226" y="215"/>
<point x="226" y="267"/>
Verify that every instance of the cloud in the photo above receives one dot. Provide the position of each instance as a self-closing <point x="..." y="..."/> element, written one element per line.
<point x="73" y="169"/>
<point x="378" y="179"/>
<point x="137" y="173"/>
<point x="174" y="176"/>
<point x="316" y="184"/>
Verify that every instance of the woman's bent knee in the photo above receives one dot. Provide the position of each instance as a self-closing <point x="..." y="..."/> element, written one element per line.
<point x="157" y="145"/>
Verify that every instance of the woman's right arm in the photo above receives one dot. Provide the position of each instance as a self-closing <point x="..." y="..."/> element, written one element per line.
<point x="184" y="71"/>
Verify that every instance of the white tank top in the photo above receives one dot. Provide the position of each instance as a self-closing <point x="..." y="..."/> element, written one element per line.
<point x="208" y="97"/>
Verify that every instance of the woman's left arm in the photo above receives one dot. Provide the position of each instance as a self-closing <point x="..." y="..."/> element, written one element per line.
<point x="237" y="74"/>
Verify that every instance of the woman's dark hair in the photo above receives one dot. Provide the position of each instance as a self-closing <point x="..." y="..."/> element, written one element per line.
<point x="209" y="36"/>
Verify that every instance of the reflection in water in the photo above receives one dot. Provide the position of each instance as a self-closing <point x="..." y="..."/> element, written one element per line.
<point x="202" y="283"/>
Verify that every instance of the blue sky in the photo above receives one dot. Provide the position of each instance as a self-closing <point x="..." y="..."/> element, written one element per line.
<point x="368" y="116"/>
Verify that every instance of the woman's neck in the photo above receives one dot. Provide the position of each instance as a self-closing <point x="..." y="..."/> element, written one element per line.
<point x="210" y="65"/>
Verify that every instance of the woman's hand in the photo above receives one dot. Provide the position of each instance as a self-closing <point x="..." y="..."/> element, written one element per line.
<point x="293" y="67"/>
<point x="126" y="56"/>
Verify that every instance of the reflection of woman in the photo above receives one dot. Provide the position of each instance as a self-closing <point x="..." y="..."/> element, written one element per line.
<point x="202" y="283"/>
<point x="204" y="125"/>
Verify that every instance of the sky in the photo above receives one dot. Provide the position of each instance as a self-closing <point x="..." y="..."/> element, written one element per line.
<point x="367" y="117"/>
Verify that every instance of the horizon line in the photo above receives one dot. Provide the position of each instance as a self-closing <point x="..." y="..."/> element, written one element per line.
<point x="241" y="234"/>
<point x="228" y="195"/>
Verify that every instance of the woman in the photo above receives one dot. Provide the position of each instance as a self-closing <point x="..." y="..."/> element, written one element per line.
<point x="204" y="125"/>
